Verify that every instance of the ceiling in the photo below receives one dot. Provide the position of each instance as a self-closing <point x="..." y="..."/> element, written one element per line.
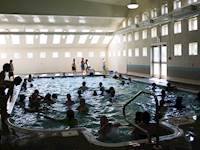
<point x="113" y="2"/>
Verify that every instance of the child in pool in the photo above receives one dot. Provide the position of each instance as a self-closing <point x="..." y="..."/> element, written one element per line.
<point x="82" y="108"/>
<point x="70" y="120"/>
<point x="83" y="87"/>
<point x="179" y="105"/>
<point x="69" y="101"/>
<point x="107" y="129"/>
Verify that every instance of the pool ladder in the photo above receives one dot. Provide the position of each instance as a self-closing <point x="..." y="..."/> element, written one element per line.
<point x="156" y="115"/>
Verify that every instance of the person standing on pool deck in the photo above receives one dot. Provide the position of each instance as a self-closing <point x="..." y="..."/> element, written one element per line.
<point x="74" y="66"/>
<point x="11" y="72"/>
<point x="4" y="97"/>
<point x="82" y="66"/>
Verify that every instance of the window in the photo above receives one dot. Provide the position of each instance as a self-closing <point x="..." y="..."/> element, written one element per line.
<point x="79" y="54"/>
<point x="119" y="53"/>
<point x="124" y="24"/>
<point x="91" y="54"/>
<point x="144" y="34"/>
<point x="129" y="52"/>
<point x="29" y="55"/>
<point x="177" y="4"/>
<point x="102" y="54"/>
<point x="154" y="13"/>
<point x="15" y="39"/>
<point x="177" y="27"/>
<point x="164" y="30"/>
<point x="137" y="52"/>
<point x="67" y="54"/>
<point x="193" y="48"/>
<point x="177" y="50"/>
<point x="16" y="55"/>
<point x="29" y="38"/>
<point x="129" y="21"/>
<point x="154" y="32"/>
<point x="136" y="19"/>
<point x="82" y="39"/>
<point x="129" y="37"/>
<point x="43" y="37"/>
<point x="3" y="56"/>
<point x="51" y="19"/>
<point x="42" y="55"/>
<point x="136" y="35"/>
<point x="70" y="39"/>
<point x="164" y="9"/>
<point x="193" y="24"/>
<point x="56" y="39"/>
<point x="124" y="38"/>
<point x="124" y="53"/>
<point x="55" y="55"/>
<point x="192" y="1"/>
<point x="144" y="51"/>
<point x="95" y="39"/>
<point x="145" y="16"/>
<point x="107" y="39"/>
<point x="2" y="39"/>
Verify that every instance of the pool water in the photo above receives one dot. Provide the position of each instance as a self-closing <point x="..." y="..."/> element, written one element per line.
<point x="98" y="105"/>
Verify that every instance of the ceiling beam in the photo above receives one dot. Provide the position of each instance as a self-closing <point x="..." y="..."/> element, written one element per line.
<point x="61" y="8"/>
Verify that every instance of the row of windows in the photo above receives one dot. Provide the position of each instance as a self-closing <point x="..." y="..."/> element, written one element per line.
<point x="177" y="4"/>
<point x="193" y="50"/>
<point x="30" y="55"/>
<point x="192" y="25"/>
<point x="57" y="39"/>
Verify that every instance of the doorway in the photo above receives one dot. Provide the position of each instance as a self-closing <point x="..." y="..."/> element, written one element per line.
<point x="159" y="61"/>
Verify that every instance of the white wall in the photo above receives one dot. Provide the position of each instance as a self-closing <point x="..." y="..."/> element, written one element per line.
<point x="23" y="65"/>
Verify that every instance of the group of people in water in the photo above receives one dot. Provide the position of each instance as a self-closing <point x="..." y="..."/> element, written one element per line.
<point x="106" y="127"/>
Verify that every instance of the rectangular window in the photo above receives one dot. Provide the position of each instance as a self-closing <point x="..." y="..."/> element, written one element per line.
<point x="3" y="56"/>
<point x="177" y="50"/>
<point x="119" y="53"/>
<point x="95" y="39"/>
<point x="2" y="39"/>
<point x="129" y="37"/>
<point x="91" y="54"/>
<point x="192" y="1"/>
<point x="70" y="39"/>
<point x="193" y="48"/>
<point x="83" y="39"/>
<point x="177" y="4"/>
<point x="154" y="32"/>
<point x="124" y="53"/>
<point x="193" y="24"/>
<point x="154" y="13"/>
<point x="145" y="16"/>
<point x="102" y="54"/>
<point x="42" y="54"/>
<point x="55" y="55"/>
<point x="164" y="30"/>
<point x="56" y="39"/>
<point x="136" y="19"/>
<point x="43" y="37"/>
<point x="137" y="52"/>
<point x="164" y="9"/>
<point x="144" y="51"/>
<point x="177" y="27"/>
<point x="79" y="54"/>
<point x="15" y="39"/>
<point x="107" y="39"/>
<point x="137" y="36"/>
<point x="144" y="34"/>
<point x="67" y="54"/>
<point x="29" y="55"/>
<point x="129" y="52"/>
<point x="29" y="39"/>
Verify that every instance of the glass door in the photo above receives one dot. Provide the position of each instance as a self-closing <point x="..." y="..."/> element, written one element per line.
<point x="159" y="61"/>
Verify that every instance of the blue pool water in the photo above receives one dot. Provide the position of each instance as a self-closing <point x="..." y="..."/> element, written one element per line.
<point x="98" y="105"/>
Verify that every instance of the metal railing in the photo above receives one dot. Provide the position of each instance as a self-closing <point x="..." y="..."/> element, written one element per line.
<point x="156" y="116"/>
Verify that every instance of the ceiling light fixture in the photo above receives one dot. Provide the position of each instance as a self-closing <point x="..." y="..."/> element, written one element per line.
<point x="133" y="4"/>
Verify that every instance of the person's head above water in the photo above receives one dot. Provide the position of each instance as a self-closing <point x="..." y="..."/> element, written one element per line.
<point x="17" y="80"/>
<point x="68" y="96"/>
<point x="83" y="83"/>
<point x="95" y="93"/>
<point x="100" y="84"/>
<point x="103" y="121"/>
<point x="70" y="114"/>
<point x="36" y="92"/>
<point x="123" y="82"/>
<point x="146" y="117"/>
<point x="54" y="96"/>
<point x="82" y="101"/>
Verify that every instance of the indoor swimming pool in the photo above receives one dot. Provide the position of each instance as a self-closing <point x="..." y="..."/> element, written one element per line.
<point x="98" y="105"/>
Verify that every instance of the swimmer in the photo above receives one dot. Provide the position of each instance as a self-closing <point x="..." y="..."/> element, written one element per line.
<point x="69" y="101"/>
<point x="24" y="85"/>
<point x="30" y="79"/>
<point x="82" y="108"/>
<point x="94" y="93"/>
<point x="123" y="83"/>
<point x="153" y="87"/>
<point x="107" y="129"/>
<point x="48" y="99"/>
<point x="178" y="105"/>
<point x="79" y="93"/>
<point x="83" y="87"/>
<point x="54" y="97"/>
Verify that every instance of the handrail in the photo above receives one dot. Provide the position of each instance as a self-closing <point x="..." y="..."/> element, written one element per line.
<point x="156" y="115"/>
